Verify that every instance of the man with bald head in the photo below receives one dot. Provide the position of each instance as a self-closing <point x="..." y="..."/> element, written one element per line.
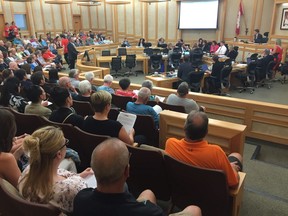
<point x="194" y="150"/>
<point x="110" y="163"/>
<point x="140" y="107"/>
<point x="65" y="82"/>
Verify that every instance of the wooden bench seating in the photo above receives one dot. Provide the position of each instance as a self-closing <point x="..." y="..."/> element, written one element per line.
<point x="265" y="121"/>
<point x="182" y="183"/>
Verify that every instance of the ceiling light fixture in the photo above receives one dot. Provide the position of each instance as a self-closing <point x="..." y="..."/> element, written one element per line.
<point x="117" y="2"/>
<point x="58" y="1"/>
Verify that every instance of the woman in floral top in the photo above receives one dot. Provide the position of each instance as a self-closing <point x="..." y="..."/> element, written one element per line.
<point x="43" y="181"/>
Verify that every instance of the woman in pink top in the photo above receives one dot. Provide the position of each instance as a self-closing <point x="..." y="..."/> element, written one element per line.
<point x="214" y="47"/>
<point x="124" y="85"/>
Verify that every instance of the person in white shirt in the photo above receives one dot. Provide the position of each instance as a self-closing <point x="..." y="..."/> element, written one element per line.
<point x="221" y="50"/>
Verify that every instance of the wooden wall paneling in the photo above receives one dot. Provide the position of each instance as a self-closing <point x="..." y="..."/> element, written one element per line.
<point x="230" y="32"/>
<point x="1" y="6"/>
<point x="172" y="28"/>
<point x="63" y="16"/>
<point x="221" y="25"/>
<point x="85" y="18"/>
<point x="161" y="21"/>
<point x="259" y="13"/>
<point x="152" y="22"/>
<point x="8" y="15"/>
<point x="75" y="8"/>
<point x="121" y="21"/>
<point x="129" y="21"/>
<point x="55" y="11"/>
<point x="48" y="24"/>
<point x="252" y="26"/>
<point x="42" y="4"/>
<point x="30" y="19"/>
<point x="266" y="19"/>
<point x="89" y="16"/>
<point x="101" y="18"/>
<point x="137" y="19"/>
<point x="18" y="7"/>
<point x="69" y="17"/>
<point x="115" y="23"/>
<point x="93" y="17"/>
<point x="145" y="20"/>
<point x="109" y="21"/>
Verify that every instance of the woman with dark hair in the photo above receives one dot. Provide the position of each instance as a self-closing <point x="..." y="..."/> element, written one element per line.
<point x="65" y="113"/>
<point x="141" y="42"/>
<point x="36" y="95"/>
<point x="10" y="95"/>
<point x="53" y="76"/>
<point x="124" y="88"/>
<point x="9" y="169"/>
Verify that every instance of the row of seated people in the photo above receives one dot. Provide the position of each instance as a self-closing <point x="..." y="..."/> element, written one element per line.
<point x="49" y="144"/>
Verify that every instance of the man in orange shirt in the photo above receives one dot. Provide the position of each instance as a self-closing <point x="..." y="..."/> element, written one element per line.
<point x="194" y="150"/>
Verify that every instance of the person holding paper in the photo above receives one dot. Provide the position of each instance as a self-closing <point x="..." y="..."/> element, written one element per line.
<point x="140" y="107"/>
<point x="100" y="124"/>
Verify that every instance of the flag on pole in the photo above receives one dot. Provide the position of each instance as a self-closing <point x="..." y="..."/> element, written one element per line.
<point x="240" y="13"/>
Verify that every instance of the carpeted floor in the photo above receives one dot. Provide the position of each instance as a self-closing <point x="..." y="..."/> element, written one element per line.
<point x="265" y="191"/>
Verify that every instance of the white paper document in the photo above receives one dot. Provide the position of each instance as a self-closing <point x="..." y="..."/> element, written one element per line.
<point x="127" y="120"/>
<point x="157" y="109"/>
<point x="91" y="181"/>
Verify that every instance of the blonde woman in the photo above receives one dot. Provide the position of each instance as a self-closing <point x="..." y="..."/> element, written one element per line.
<point x="43" y="181"/>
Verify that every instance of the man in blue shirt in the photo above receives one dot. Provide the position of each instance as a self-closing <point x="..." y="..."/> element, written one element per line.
<point x="108" y="79"/>
<point x="140" y="107"/>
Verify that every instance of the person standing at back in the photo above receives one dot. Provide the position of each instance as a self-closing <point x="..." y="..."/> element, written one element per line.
<point x="72" y="53"/>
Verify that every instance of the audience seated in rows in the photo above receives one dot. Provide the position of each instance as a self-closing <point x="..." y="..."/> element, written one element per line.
<point x="140" y="107"/>
<point x="149" y="84"/>
<point x="195" y="150"/>
<point x="100" y="124"/>
<point x="65" y="113"/>
<point x="10" y="95"/>
<point x="110" y="163"/>
<point x="124" y="88"/>
<point x="74" y="78"/>
<point x="42" y="181"/>
<point x="108" y="79"/>
<point x="85" y="91"/>
<point x="65" y="82"/>
<point x="10" y="148"/>
<point x="180" y="99"/>
<point x="90" y="77"/>
<point x="37" y="96"/>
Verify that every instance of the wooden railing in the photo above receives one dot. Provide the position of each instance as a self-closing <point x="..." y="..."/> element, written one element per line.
<point x="229" y="136"/>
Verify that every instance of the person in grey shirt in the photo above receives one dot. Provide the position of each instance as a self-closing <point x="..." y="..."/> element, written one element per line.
<point x="181" y="99"/>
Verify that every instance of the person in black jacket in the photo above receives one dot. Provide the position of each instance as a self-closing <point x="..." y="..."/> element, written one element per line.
<point x="72" y="53"/>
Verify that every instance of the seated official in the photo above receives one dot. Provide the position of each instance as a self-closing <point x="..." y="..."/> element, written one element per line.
<point x="221" y="51"/>
<point x="85" y="91"/>
<point x="262" y="65"/>
<point x="124" y="91"/>
<point x="42" y="181"/>
<point x="108" y="79"/>
<point x="141" y="42"/>
<point x="140" y="107"/>
<point x="257" y="36"/>
<point x="100" y="124"/>
<point x="184" y="69"/>
<point x="65" y="113"/>
<point x="125" y="43"/>
<point x="110" y="163"/>
<point x="180" y="99"/>
<point x="195" y="150"/>
<point x="36" y="95"/>
<point x="214" y="47"/>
